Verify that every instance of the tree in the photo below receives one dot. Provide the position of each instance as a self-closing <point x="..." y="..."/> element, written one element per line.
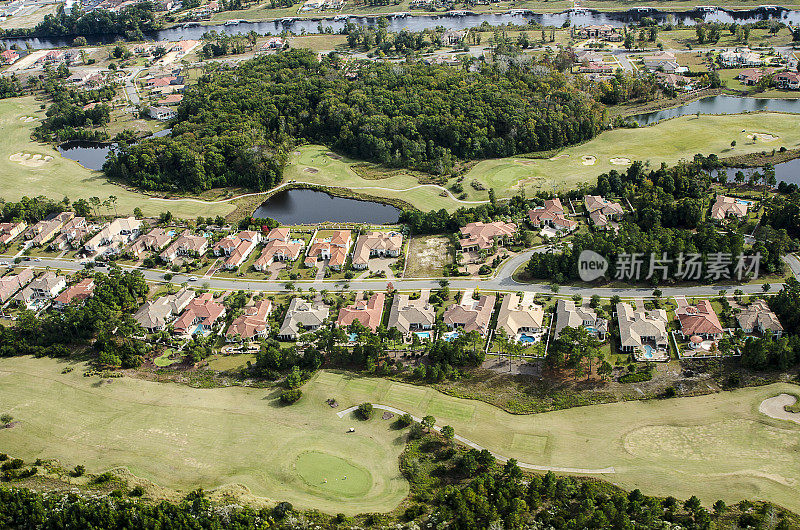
<point x="6" y="418"/>
<point x="365" y="410"/>
<point x="605" y="369"/>
<point x="629" y="41"/>
<point x="428" y="422"/>
<point x="448" y="432"/>
<point x="733" y="144"/>
<point x="291" y="396"/>
<point x="766" y="287"/>
<point x="405" y="420"/>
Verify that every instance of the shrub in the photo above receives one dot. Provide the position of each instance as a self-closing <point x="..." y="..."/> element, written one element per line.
<point x="137" y="491"/>
<point x="365" y="410"/>
<point x="637" y="377"/>
<point x="291" y="396"/>
<point x="103" y="478"/>
<point x="405" y="420"/>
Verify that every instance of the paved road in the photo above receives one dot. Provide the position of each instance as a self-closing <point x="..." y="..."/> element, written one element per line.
<point x="502" y="281"/>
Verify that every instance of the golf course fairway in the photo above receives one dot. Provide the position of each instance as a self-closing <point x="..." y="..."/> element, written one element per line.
<point x="716" y="447"/>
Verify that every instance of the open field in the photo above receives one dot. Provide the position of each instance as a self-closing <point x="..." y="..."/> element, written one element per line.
<point x="185" y="438"/>
<point x="59" y="177"/>
<point x="30" y="19"/>
<point x="715" y="446"/>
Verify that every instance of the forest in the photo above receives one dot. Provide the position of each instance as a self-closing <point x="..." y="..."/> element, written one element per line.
<point x="235" y="126"/>
<point x="131" y="22"/>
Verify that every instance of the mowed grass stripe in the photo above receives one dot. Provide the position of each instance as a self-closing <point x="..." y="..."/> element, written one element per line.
<point x="406" y="397"/>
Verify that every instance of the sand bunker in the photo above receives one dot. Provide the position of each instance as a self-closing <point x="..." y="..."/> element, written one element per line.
<point x="334" y="156"/>
<point x="27" y="119"/>
<point x="311" y="170"/>
<point x="588" y="160"/>
<point x="774" y="408"/>
<point x="620" y="161"/>
<point x="559" y="156"/>
<point x="764" y="137"/>
<point x="29" y="160"/>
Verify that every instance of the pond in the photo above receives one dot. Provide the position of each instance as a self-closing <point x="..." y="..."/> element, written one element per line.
<point x="453" y="20"/>
<point x="788" y="172"/>
<point x="301" y="206"/>
<point x="91" y="155"/>
<point x="719" y="105"/>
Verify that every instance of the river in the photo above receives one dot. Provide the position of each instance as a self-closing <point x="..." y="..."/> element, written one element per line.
<point x="453" y="20"/>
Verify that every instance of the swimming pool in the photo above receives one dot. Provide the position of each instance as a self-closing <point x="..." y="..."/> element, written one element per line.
<point x="352" y="337"/>
<point x="527" y="338"/>
<point x="423" y="335"/>
<point x="648" y="351"/>
<point x="742" y="201"/>
<point x="450" y="335"/>
<point x="198" y="330"/>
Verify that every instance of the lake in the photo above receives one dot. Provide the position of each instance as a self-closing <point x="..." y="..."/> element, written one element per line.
<point x="788" y="172"/>
<point x="91" y="155"/>
<point x="719" y="105"/>
<point x="306" y="206"/>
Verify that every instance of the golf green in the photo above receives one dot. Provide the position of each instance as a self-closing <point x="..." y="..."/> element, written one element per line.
<point x="333" y="475"/>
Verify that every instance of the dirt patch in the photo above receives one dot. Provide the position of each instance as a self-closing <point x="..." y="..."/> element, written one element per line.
<point x="387" y="415"/>
<point x="30" y="160"/>
<point x="620" y="161"/>
<point x="775" y="407"/>
<point x="427" y="256"/>
<point x="559" y="156"/>
<point x="311" y="170"/>
<point x="588" y="160"/>
<point x="9" y="425"/>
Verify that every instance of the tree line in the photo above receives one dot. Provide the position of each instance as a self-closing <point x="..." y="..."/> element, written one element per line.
<point x="235" y="126"/>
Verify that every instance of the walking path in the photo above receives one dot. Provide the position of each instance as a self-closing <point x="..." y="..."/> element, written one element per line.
<point x="470" y="443"/>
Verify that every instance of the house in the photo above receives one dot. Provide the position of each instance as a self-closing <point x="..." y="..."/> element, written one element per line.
<point x="280" y="233"/>
<point x="602" y="211"/>
<point x="641" y="330"/>
<point x="172" y="99"/>
<point x="551" y="215"/>
<point x="8" y="231"/>
<point x="482" y="236"/>
<point x="700" y="320"/>
<point x="601" y="31"/>
<point x="45" y="230"/>
<point x="409" y="315"/>
<point x="368" y="312"/>
<point x="45" y="287"/>
<point x="570" y="315"/>
<point x="787" y="80"/>
<point x="9" y="57"/>
<point x="72" y="234"/>
<point x="161" y="113"/>
<point x="587" y="56"/>
<point x="252" y="324"/>
<point x="725" y="207"/>
<point x="77" y="293"/>
<point x="751" y="76"/>
<point x="200" y="315"/>
<point x="160" y="81"/>
<point x="451" y="37"/>
<point x="471" y="315"/>
<point x="376" y="244"/>
<point x="658" y="60"/>
<point x="275" y="43"/>
<point x="740" y="57"/>
<point x="333" y="247"/>
<point x="153" y="241"/>
<point x="278" y="250"/>
<point x="520" y="316"/>
<point x="237" y="248"/>
<point x="596" y="68"/>
<point x="113" y="236"/>
<point x="185" y="245"/>
<point x="154" y="315"/>
<point x="675" y="81"/>
<point x="11" y="283"/>
<point x="302" y="316"/>
<point x="758" y="316"/>
<point x="51" y="57"/>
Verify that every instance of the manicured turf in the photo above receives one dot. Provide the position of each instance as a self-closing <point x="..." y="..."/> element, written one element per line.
<point x="61" y="177"/>
<point x="717" y="446"/>
<point x="669" y="142"/>
<point x="164" y="360"/>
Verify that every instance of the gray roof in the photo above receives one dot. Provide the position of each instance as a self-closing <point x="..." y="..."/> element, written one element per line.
<point x="302" y="313"/>
<point x="405" y="312"/>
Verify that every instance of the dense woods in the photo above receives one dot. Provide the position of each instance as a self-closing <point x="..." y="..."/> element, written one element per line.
<point x="235" y="126"/>
<point x="131" y="22"/>
<point x="10" y="87"/>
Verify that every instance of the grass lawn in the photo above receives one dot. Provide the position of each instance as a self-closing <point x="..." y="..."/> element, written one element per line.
<point x="717" y="446"/>
<point x="223" y="363"/>
<point x="61" y="177"/>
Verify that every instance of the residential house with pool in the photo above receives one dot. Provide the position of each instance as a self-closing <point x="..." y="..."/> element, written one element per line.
<point x="376" y="245"/>
<point x="301" y="317"/>
<point x="643" y="333"/>
<point x="366" y="311"/>
<point x="153" y="241"/>
<point x="47" y="229"/>
<point x="603" y="213"/>
<point x="413" y="315"/>
<point x="569" y="314"/>
<point x="252" y="324"/>
<point x="236" y="249"/>
<point x="700" y="326"/>
<point x="113" y="236"/>
<point x="73" y="234"/>
<point x="185" y="245"/>
<point x="483" y="236"/>
<point x="200" y="316"/>
<point x="759" y="317"/>
<point x="155" y="315"/>
<point x="551" y="216"/>
<point x="726" y="207"/>
<point x="41" y="290"/>
<point x="332" y="246"/>
<point x="521" y="318"/>
<point x="75" y="294"/>
<point x="470" y="314"/>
